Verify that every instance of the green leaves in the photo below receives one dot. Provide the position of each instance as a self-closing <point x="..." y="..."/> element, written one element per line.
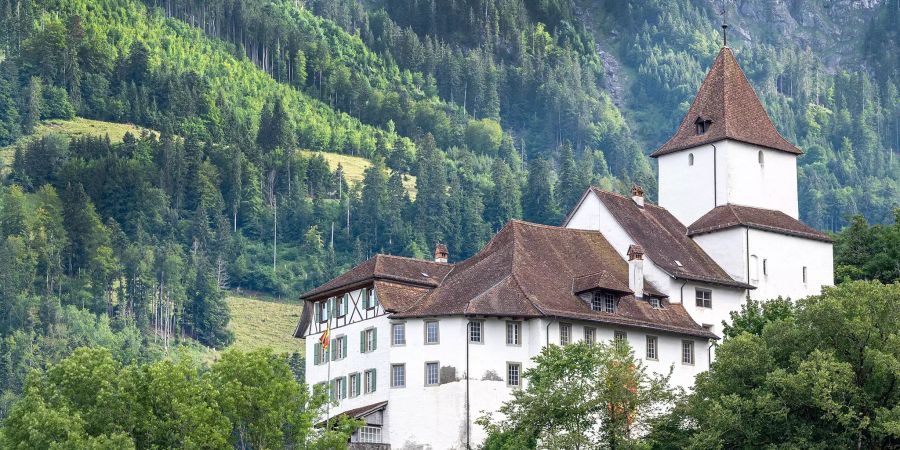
<point x="245" y="400"/>
<point x="821" y="373"/>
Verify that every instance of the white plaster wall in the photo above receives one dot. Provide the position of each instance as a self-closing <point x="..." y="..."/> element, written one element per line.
<point x="786" y="256"/>
<point x="772" y="185"/>
<point x="669" y="351"/>
<point x="729" y="249"/>
<point x="687" y="191"/>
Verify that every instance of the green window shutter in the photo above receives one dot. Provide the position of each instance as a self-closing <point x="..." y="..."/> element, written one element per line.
<point x="365" y="297"/>
<point x="362" y="341"/>
<point x="344" y="345"/>
<point x="317" y="353"/>
<point x="374" y="339"/>
<point x="333" y="350"/>
<point x="343" y="387"/>
<point x="374" y="380"/>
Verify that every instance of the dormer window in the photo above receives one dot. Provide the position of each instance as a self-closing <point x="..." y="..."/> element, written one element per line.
<point x="655" y="302"/>
<point x="702" y="125"/>
<point x="604" y="301"/>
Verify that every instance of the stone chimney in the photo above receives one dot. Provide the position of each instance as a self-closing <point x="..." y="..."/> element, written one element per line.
<point x="637" y="194"/>
<point x="441" y="255"/>
<point x="636" y="270"/>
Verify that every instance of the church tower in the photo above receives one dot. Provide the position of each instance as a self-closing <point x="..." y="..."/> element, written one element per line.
<point x="726" y="151"/>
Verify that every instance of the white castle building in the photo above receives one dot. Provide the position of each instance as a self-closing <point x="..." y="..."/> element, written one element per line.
<point x="420" y="349"/>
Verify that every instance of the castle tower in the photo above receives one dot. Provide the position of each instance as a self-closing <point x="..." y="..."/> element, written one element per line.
<point x="726" y="151"/>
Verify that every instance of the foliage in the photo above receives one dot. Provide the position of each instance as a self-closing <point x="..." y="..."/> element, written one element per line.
<point x="863" y="252"/>
<point x="247" y="400"/>
<point x="572" y="389"/>
<point x="824" y="376"/>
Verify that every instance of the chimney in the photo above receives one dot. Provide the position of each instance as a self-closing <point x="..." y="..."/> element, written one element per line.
<point x="441" y="255"/>
<point x="637" y="194"/>
<point x="636" y="270"/>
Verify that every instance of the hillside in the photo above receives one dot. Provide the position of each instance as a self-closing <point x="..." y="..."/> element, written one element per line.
<point x="354" y="168"/>
<point x="263" y="323"/>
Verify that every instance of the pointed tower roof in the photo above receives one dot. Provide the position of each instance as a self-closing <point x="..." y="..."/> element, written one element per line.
<point x="726" y="107"/>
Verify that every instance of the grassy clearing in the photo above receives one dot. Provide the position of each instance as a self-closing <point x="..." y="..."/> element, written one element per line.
<point x="77" y="127"/>
<point x="259" y="323"/>
<point x="355" y="166"/>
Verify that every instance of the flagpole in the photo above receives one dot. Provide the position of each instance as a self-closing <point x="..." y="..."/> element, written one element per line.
<point x="330" y="384"/>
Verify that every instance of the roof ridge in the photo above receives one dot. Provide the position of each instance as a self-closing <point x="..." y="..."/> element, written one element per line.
<point x="408" y="258"/>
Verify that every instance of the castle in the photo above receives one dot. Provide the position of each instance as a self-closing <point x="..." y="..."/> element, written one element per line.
<point x="419" y="349"/>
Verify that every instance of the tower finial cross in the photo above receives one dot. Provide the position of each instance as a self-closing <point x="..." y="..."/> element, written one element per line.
<point x="724" y="15"/>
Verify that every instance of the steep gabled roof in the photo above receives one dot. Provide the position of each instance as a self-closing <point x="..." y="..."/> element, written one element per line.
<point x="665" y="240"/>
<point x="727" y="100"/>
<point x="408" y="271"/>
<point x="529" y="270"/>
<point x="729" y="216"/>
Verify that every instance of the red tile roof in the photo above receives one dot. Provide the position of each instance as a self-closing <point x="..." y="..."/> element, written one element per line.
<point x="530" y="270"/>
<point x="727" y="99"/>
<point x="407" y="271"/>
<point x="729" y="216"/>
<point x="665" y="240"/>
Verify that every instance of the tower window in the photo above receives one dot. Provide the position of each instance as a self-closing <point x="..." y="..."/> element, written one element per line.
<point x="702" y="125"/>
<point x="761" y="157"/>
<point x="690" y="159"/>
<point x="804" y="274"/>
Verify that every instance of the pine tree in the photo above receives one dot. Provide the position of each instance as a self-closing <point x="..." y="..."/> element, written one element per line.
<point x="432" y="212"/>
<point x="504" y="201"/>
<point x="539" y="204"/>
<point x="10" y="129"/>
<point x="571" y="183"/>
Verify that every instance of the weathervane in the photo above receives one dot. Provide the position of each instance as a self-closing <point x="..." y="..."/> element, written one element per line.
<point x="724" y="24"/>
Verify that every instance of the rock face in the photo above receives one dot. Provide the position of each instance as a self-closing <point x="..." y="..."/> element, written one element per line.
<point x="816" y="24"/>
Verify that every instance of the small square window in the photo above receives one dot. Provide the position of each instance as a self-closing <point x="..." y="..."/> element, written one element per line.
<point x="590" y="335"/>
<point x="432" y="332"/>
<point x="652" y="348"/>
<point x="687" y="352"/>
<point x="476" y="331"/>
<point x="565" y="333"/>
<point x="514" y="374"/>
<point x="432" y="374"/>
<point x="398" y="375"/>
<point x="513" y="333"/>
<point x="398" y="334"/>
<point x="655" y="302"/>
<point x="704" y="298"/>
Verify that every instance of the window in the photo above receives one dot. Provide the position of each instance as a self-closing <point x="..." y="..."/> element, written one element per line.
<point x="603" y="301"/>
<point x="432" y="332"/>
<point x="354" y="384"/>
<point x="702" y="125"/>
<point x="322" y="309"/>
<point x="804" y="274"/>
<point x="370" y="381"/>
<point x="513" y="374"/>
<point x="655" y="302"/>
<point x="652" y="348"/>
<point x="690" y="159"/>
<point x="513" y="333"/>
<point x="339" y="388"/>
<point x="476" y="331"/>
<point x="398" y="334"/>
<point x="431" y="374"/>
<point x="765" y="266"/>
<point x="590" y="335"/>
<point x="398" y="375"/>
<point x="620" y="338"/>
<point x="761" y="158"/>
<point x="371" y="299"/>
<point x="687" y="352"/>
<point x="342" y="302"/>
<point x="565" y="333"/>
<point x="320" y="354"/>
<point x="368" y="340"/>
<point x="754" y="269"/>
<point x="704" y="298"/>
<point x="338" y="348"/>
<point x="370" y="435"/>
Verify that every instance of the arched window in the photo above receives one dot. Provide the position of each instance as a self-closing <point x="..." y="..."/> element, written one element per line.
<point x="761" y="158"/>
<point x="690" y="159"/>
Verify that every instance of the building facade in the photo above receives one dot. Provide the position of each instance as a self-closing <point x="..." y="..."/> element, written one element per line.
<point x="420" y="349"/>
